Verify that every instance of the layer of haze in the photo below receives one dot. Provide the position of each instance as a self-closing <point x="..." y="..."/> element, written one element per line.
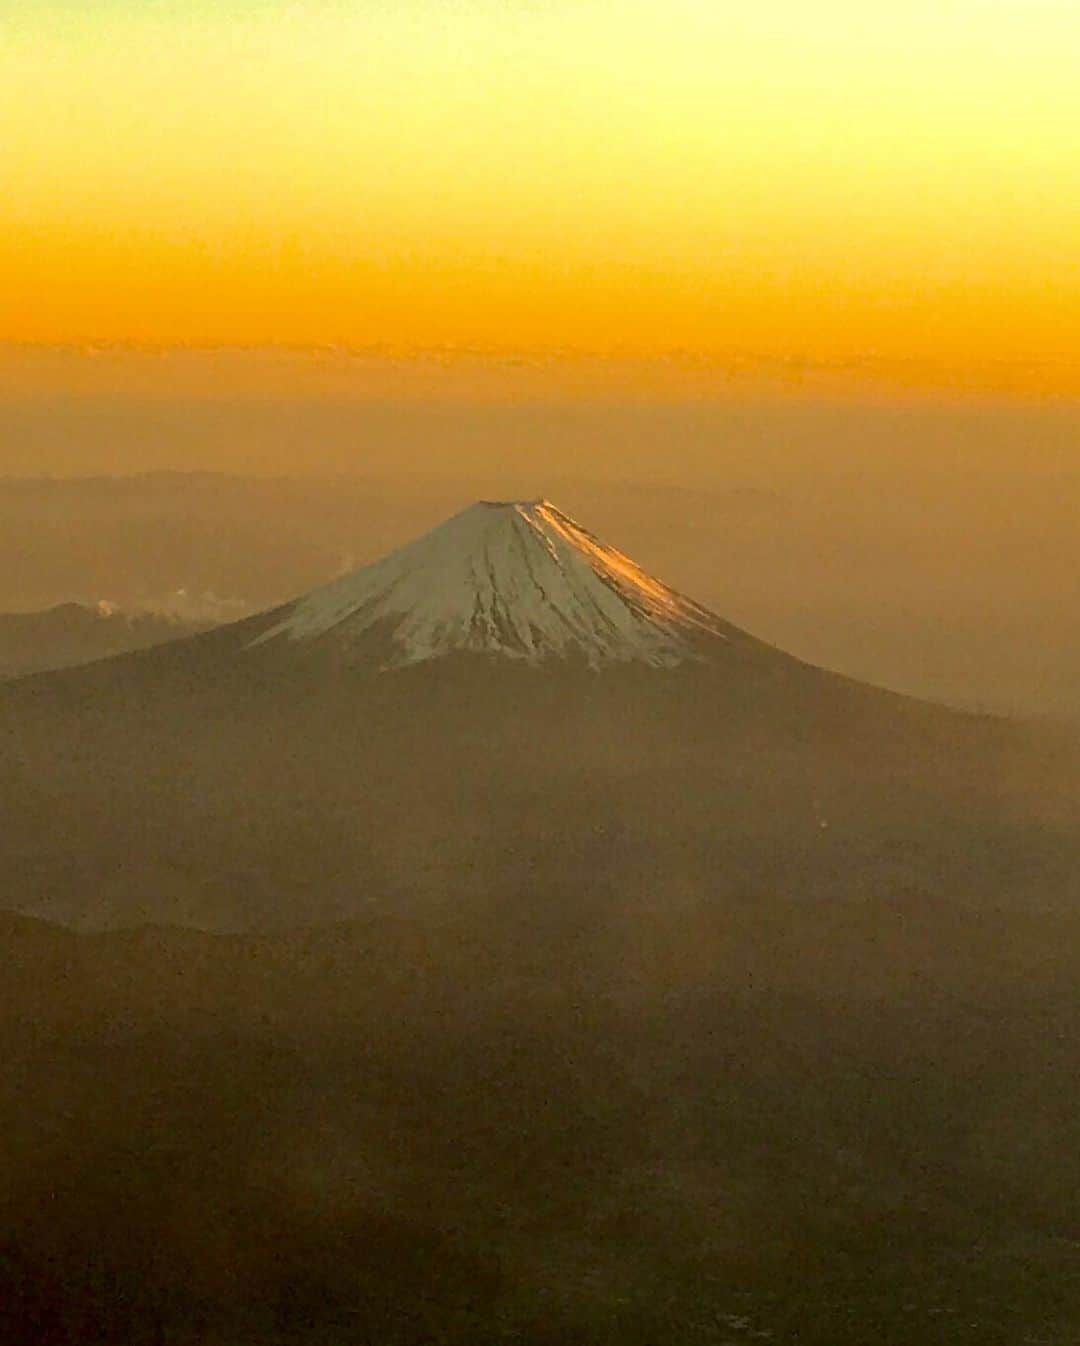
<point x="833" y="182"/>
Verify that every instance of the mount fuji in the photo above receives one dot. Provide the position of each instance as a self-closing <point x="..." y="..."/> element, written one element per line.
<point x="506" y="711"/>
<point x="519" y="580"/>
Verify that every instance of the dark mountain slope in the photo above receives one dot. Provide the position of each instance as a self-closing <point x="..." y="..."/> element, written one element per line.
<point x="154" y="789"/>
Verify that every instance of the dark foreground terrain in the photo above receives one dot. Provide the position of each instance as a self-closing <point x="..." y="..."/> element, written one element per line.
<point x="745" y="1123"/>
<point x="719" y="1008"/>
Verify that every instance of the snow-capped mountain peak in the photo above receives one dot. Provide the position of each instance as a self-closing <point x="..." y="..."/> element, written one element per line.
<point x="516" y="578"/>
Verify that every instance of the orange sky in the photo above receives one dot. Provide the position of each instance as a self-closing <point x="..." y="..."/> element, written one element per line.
<point x="888" y="193"/>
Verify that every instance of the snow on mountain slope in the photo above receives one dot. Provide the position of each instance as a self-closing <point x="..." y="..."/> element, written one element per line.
<point x="518" y="579"/>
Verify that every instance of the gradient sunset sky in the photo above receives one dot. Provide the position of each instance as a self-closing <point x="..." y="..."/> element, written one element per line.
<point x="892" y="190"/>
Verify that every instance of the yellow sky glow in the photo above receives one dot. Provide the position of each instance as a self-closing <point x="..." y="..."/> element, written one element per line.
<point x="829" y="181"/>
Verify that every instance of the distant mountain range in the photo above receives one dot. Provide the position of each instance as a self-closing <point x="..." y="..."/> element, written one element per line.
<point x="76" y="633"/>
